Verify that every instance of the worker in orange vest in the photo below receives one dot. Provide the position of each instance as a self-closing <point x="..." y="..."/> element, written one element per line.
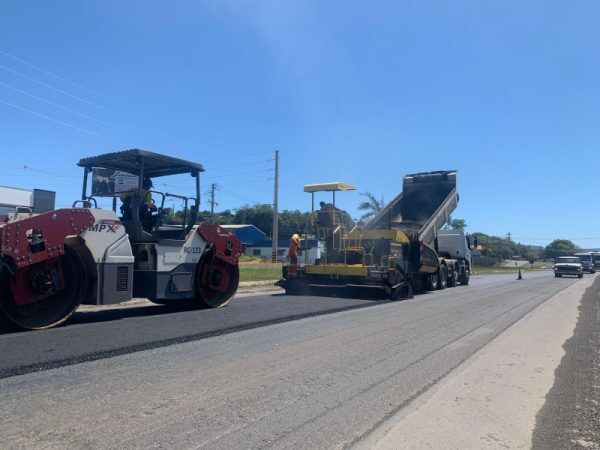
<point x="293" y="255"/>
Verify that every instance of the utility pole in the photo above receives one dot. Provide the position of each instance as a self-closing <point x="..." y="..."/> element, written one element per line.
<point x="499" y="251"/>
<point x="213" y="203"/>
<point x="275" y="210"/>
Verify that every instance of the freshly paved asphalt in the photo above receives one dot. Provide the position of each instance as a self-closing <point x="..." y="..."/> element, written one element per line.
<point x="325" y="381"/>
<point x="93" y="335"/>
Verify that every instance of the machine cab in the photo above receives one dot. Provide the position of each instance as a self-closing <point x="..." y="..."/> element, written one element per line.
<point x="143" y="223"/>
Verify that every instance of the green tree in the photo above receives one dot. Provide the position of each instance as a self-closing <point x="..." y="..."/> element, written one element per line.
<point x="261" y="216"/>
<point x="559" y="247"/>
<point x="291" y="221"/>
<point x="456" y="224"/>
<point x="371" y="206"/>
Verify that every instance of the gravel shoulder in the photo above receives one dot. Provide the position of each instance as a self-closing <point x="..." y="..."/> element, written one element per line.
<point x="492" y="400"/>
<point x="570" y="417"/>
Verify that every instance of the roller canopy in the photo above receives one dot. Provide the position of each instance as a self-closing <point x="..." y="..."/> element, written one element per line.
<point x="155" y="165"/>
<point x="332" y="186"/>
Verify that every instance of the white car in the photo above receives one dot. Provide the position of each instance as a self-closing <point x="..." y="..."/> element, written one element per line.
<point x="568" y="265"/>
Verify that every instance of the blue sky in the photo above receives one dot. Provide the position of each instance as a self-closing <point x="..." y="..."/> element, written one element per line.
<point x="508" y="93"/>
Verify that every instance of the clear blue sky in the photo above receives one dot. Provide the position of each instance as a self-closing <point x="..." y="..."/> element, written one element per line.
<point x="506" y="92"/>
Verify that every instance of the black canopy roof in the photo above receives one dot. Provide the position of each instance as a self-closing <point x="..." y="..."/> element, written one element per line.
<point x="155" y="165"/>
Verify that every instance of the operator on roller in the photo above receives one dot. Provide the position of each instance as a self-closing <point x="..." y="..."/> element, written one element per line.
<point x="146" y="207"/>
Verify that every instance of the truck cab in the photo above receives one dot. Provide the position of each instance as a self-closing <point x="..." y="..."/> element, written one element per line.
<point x="455" y="244"/>
<point x="454" y="253"/>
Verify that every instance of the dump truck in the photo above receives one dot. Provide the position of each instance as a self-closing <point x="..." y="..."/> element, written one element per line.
<point x="422" y="208"/>
<point x="402" y="249"/>
<point x="53" y="262"/>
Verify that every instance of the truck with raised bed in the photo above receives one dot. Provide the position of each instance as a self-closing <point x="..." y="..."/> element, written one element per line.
<point x="402" y="249"/>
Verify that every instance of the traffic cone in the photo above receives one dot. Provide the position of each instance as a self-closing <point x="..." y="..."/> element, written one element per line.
<point x="520" y="277"/>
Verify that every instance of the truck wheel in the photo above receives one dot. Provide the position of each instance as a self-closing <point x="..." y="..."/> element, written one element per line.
<point x="442" y="278"/>
<point x="451" y="277"/>
<point x="56" y="307"/>
<point x="580" y="275"/>
<point x="557" y="275"/>
<point x="464" y="280"/>
<point x="433" y="282"/>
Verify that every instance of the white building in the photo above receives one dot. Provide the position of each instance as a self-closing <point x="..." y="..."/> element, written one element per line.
<point x="38" y="200"/>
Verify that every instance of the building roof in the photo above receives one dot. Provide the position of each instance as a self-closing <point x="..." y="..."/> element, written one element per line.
<point x="247" y="233"/>
<point x="16" y="188"/>
<point x="331" y="186"/>
<point x="155" y="164"/>
<point x="234" y="226"/>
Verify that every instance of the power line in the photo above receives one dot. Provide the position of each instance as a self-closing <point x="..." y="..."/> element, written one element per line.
<point x="58" y="77"/>
<point x="8" y="69"/>
<point x="242" y="164"/>
<point x="83" y="130"/>
<point x="233" y="194"/>
<point x="246" y="155"/>
<point x="241" y="174"/>
<point x="247" y="182"/>
<point x="53" y="104"/>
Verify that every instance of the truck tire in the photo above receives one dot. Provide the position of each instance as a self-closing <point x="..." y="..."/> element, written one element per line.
<point x="580" y="275"/>
<point x="433" y="282"/>
<point x="464" y="279"/>
<point x="451" y="277"/>
<point x="442" y="278"/>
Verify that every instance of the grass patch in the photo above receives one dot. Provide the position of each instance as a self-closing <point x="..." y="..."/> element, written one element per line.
<point x="248" y="258"/>
<point x="478" y="270"/>
<point x="262" y="272"/>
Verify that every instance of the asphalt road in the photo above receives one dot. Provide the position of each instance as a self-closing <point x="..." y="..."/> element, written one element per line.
<point x="324" y="381"/>
<point x="92" y="335"/>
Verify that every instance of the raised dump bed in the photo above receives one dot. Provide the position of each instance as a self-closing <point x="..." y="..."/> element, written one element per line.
<point x="423" y="207"/>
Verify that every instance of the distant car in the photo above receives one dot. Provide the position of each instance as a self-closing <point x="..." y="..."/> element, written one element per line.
<point x="568" y="265"/>
<point x="588" y="262"/>
<point x="596" y="259"/>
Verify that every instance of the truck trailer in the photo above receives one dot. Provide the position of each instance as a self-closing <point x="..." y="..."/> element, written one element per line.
<point x="400" y="250"/>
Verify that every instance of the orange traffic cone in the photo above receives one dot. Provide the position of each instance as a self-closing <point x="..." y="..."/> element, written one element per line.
<point x="520" y="277"/>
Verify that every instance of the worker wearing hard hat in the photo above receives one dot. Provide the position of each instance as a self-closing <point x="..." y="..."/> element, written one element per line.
<point x="293" y="255"/>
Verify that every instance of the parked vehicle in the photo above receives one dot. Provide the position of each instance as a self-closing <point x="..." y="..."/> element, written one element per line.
<point x="596" y="259"/>
<point x="568" y="265"/>
<point x="587" y="261"/>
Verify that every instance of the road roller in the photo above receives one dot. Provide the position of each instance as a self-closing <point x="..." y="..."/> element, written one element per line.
<point x="53" y="262"/>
